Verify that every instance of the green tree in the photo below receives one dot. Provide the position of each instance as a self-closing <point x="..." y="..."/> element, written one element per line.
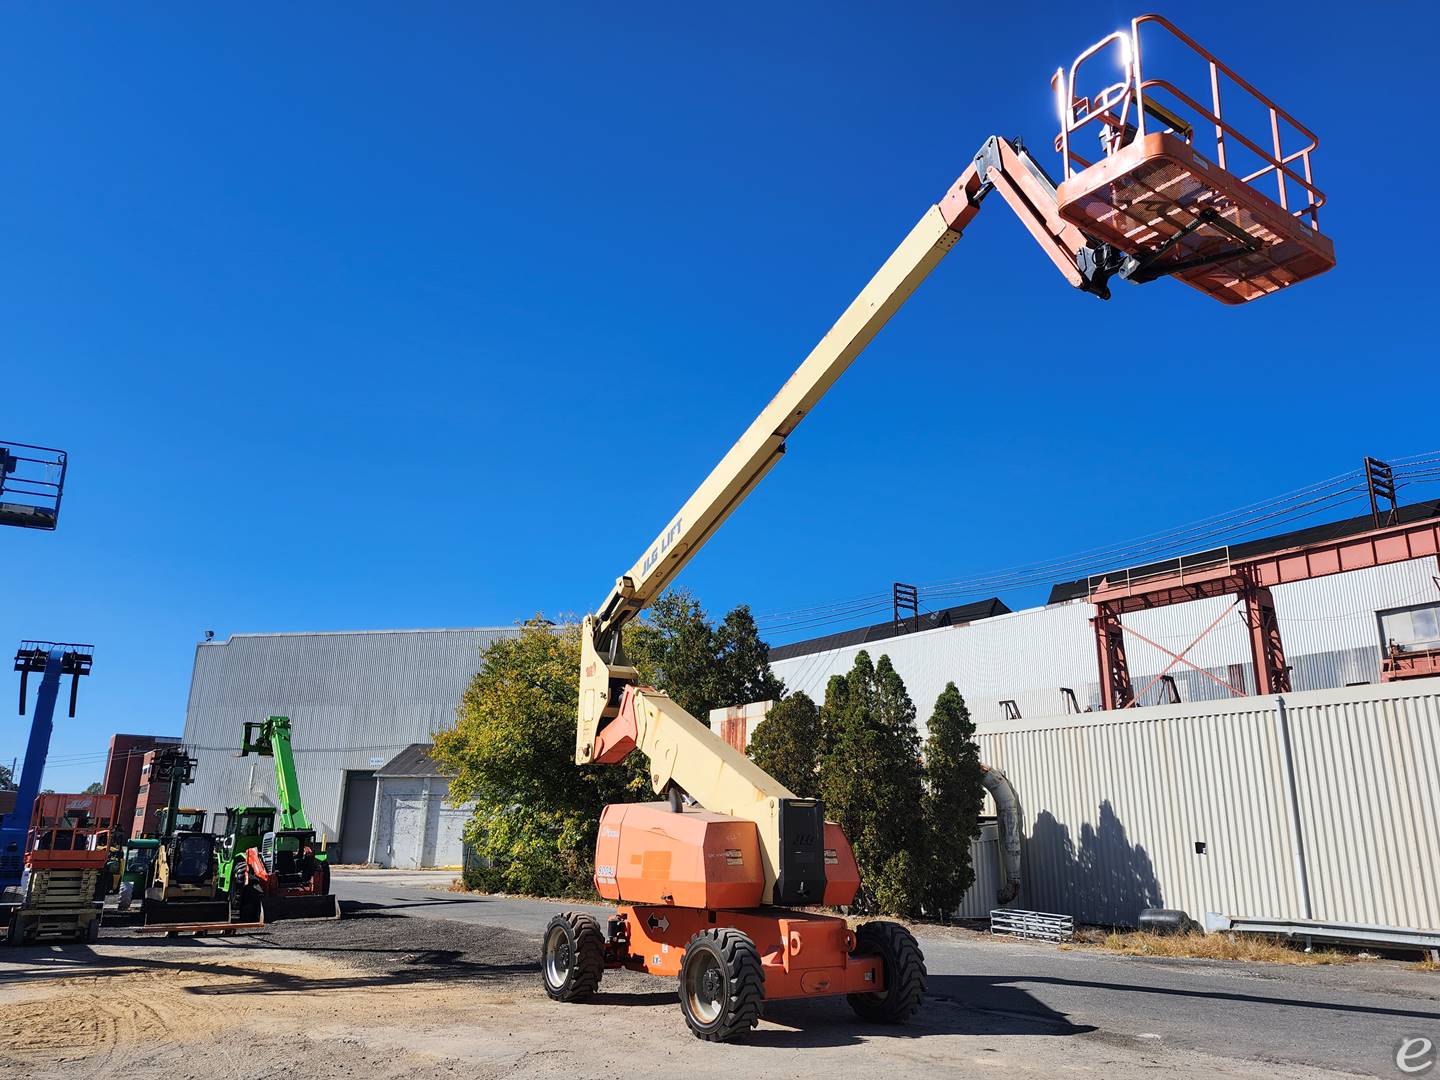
<point x="837" y="700"/>
<point x="954" y="796"/>
<point x="94" y="788"/>
<point x="742" y="664"/>
<point x="787" y="744"/>
<point x="872" y="783"/>
<point x="700" y="665"/>
<point x="512" y="750"/>
<point x="7" y="778"/>
<point x="675" y="646"/>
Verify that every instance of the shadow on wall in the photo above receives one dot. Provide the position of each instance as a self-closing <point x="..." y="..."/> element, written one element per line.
<point x="1104" y="880"/>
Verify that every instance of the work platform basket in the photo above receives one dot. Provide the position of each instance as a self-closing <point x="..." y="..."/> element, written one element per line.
<point x="32" y="481"/>
<point x="1218" y="194"/>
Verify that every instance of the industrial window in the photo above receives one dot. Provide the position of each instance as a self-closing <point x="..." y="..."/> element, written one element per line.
<point x="1412" y="629"/>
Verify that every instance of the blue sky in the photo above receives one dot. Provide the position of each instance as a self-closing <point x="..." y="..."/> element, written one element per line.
<point x="366" y="316"/>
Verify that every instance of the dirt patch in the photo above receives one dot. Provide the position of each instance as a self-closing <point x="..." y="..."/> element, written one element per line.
<point x="254" y="1006"/>
<point x="92" y="1021"/>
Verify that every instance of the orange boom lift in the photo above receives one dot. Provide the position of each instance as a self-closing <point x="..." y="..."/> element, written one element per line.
<point x="712" y="881"/>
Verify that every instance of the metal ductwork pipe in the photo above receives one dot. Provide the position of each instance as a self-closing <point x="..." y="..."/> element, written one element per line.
<point x="1007" y="810"/>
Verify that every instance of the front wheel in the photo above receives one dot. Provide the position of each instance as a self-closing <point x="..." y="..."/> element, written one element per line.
<point x="904" y="969"/>
<point x="572" y="959"/>
<point x="243" y="906"/>
<point x="722" y="985"/>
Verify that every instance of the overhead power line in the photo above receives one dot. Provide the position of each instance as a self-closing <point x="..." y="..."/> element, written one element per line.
<point x="1265" y="517"/>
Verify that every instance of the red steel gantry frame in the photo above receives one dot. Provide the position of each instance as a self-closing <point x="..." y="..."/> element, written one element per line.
<point x="1248" y="579"/>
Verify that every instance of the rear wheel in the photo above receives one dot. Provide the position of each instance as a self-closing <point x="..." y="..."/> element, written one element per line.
<point x="722" y="985"/>
<point x="573" y="957"/>
<point x="904" y="971"/>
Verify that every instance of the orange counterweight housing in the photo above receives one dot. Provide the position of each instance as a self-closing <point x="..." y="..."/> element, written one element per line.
<point x="842" y="876"/>
<point x="649" y="854"/>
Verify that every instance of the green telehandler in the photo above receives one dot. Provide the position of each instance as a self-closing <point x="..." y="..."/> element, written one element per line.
<point x="138" y="856"/>
<point x="245" y="828"/>
<point x="268" y="873"/>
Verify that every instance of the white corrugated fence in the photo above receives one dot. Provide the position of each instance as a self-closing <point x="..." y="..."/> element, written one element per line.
<point x="1210" y="806"/>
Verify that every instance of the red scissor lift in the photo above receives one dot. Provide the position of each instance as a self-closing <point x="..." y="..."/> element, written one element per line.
<point x="65" y="854"/>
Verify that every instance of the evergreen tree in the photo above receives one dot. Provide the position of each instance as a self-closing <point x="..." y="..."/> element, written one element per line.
<point x="954" y="795"/>
<point x="837" y="700"/>
<point x="675" y="646"/>
<point x="899" y="888"/>
<point x="742" y="668"/>
<point x="700" y="665"/>
<point x="872" y="783"/>
<point x="787" y="744"/>
<point x="847" y="745"/>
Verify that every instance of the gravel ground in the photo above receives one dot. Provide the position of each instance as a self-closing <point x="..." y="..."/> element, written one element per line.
<point x="404" y="945"/>
<point x="390" y="997"/>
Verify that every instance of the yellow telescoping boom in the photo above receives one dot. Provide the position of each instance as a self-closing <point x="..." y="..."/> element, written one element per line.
<point x="684" y="752"/>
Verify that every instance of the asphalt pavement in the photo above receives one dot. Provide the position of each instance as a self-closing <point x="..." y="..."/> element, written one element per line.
<point x="1351" y="1017"/>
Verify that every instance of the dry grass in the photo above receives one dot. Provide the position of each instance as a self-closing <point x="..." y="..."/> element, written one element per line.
<point x="1428" y="965"/>
<point x="1251" y="948"/>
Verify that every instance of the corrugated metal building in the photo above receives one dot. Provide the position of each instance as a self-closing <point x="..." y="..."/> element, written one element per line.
<point x="1327" y="810"/>
<point x="356" y="700"/>
<point x="415" y="827"/>
<point x="1332" y="628"/>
